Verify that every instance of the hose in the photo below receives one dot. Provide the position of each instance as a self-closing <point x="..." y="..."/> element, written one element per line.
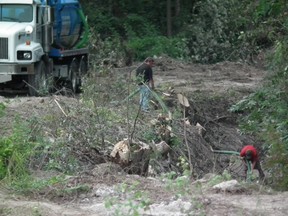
<point x="84" y="41"/>
<point x="226" y="152"/>
<point x="249" y="171"/>
<point x="248" y="163"/>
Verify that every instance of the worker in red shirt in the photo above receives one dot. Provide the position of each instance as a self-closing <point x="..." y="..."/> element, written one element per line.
<point x="249" y="153"/>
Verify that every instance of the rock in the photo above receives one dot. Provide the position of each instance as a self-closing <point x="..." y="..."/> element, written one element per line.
<point x="107" y="169"/>
<point x="206" y="178"/>
<point x="229" y="186"/>
<point x="104" y="191"/>
<point x="174" y="208"/>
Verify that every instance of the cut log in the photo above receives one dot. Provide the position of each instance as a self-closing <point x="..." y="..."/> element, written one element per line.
<point x="121" y="153"/>
<point x="162" y="148"/>
<point x="140" y="159"/>
<point x="133" y="158"/>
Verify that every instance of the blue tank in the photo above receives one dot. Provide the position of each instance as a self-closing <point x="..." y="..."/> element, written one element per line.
<point x="68" y="22"/>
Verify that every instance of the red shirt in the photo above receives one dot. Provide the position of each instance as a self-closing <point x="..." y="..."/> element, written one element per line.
<point x="251" y="148"/>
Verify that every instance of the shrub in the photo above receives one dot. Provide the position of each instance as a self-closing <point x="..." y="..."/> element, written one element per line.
<point x="150" y="46"/>
<point x="15" y="151"/>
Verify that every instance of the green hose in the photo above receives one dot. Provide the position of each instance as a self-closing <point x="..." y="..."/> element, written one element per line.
<point x="160" y="101"/>
<point x="84" y="41"/>
<point x="249" y="171"/>
<point x="226" y="152"/>
<point x="131" y="95"/>
<point x="248" y="163"/>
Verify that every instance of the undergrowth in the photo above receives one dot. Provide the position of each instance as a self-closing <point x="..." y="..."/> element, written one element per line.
<point x="131" y="200"/>
<point x="15" y="151"/>
<point x="266" y="116"/>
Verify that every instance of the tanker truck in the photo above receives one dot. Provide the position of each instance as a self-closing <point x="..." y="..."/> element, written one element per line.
<point x="42" y="42"/>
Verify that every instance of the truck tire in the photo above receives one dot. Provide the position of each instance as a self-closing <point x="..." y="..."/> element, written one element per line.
<point x="83" y="69"/>
<point x="39" y="82"/>
<point x="74" y="76"/>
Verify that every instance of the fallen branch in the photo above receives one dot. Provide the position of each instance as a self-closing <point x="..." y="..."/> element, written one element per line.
<point x="60" y="107"/>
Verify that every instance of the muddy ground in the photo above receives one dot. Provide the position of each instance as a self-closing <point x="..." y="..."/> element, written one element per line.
<point x="211" y="90"/>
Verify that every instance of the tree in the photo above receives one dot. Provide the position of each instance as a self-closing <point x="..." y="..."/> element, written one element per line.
<point x="169" y="18"/>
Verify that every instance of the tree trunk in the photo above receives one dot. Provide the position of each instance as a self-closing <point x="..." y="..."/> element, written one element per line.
<point x="133" y="159"/>
<point x="169" y="18"/>
<point x="178" y="8"/>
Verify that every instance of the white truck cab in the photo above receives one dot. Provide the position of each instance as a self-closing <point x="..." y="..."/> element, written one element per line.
<point x="27" y="54"/>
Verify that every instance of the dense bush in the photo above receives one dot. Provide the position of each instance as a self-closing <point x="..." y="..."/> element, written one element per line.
<point x="206" y="31"/>
<point x="149" y="46"/>
<point x="213" y="30"/>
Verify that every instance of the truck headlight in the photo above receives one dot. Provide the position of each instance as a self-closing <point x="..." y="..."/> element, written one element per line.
<point x="24" y="55"/>
<point x="28" y="29"/>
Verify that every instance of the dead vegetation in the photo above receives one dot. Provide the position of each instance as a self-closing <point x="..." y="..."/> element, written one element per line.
<point x="197" y="121"/>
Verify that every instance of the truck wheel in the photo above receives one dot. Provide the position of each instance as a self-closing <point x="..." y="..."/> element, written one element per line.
<point x="74" y="76"/>
<point x="83" y="68"/>
<point x="39" y="82"/>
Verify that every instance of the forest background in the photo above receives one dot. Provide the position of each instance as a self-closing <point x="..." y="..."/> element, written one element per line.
<point x="208" y="31"/>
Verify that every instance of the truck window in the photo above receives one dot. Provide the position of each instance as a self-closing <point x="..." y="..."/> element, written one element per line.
<point x="16" y="13"/>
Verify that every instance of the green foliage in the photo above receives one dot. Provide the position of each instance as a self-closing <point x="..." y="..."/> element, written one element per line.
<point x="110" y="51"/>
<point x="103" y="94"/>
<point x="269" y="8"/>
<point x="2" y="109"/>
<point x="184" y="164"/>
<point x="134" y="201"/>
<point x="125" y="19"/>
<point x="60" y="158"/>
<point x="175" y="141"/>
<point x="138" y="26"/>
<point x="150" y="46"/>
<point x="207" y="31"/>
<point x="20" y="152"/>
<point x="5" y="154"/>
<point x="150" y="135"/>
<point x="102" y="22"/>
<point x="213" y="30"/>
<point x="170" y="175"/>
<point x="70" y="191"/>
<point x="139" y="33"/>
<point x="227" y="30"/>
<point x="15" y="151"/>
<point x="5" y="211"/>
<point x="109" y="25"/>
<point x="266" y="115"/>
<point x="180" y="185"/>
<point x="220" y="178"/>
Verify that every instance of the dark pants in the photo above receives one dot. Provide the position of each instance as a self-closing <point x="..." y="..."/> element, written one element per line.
<point x="257" y="167"/>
